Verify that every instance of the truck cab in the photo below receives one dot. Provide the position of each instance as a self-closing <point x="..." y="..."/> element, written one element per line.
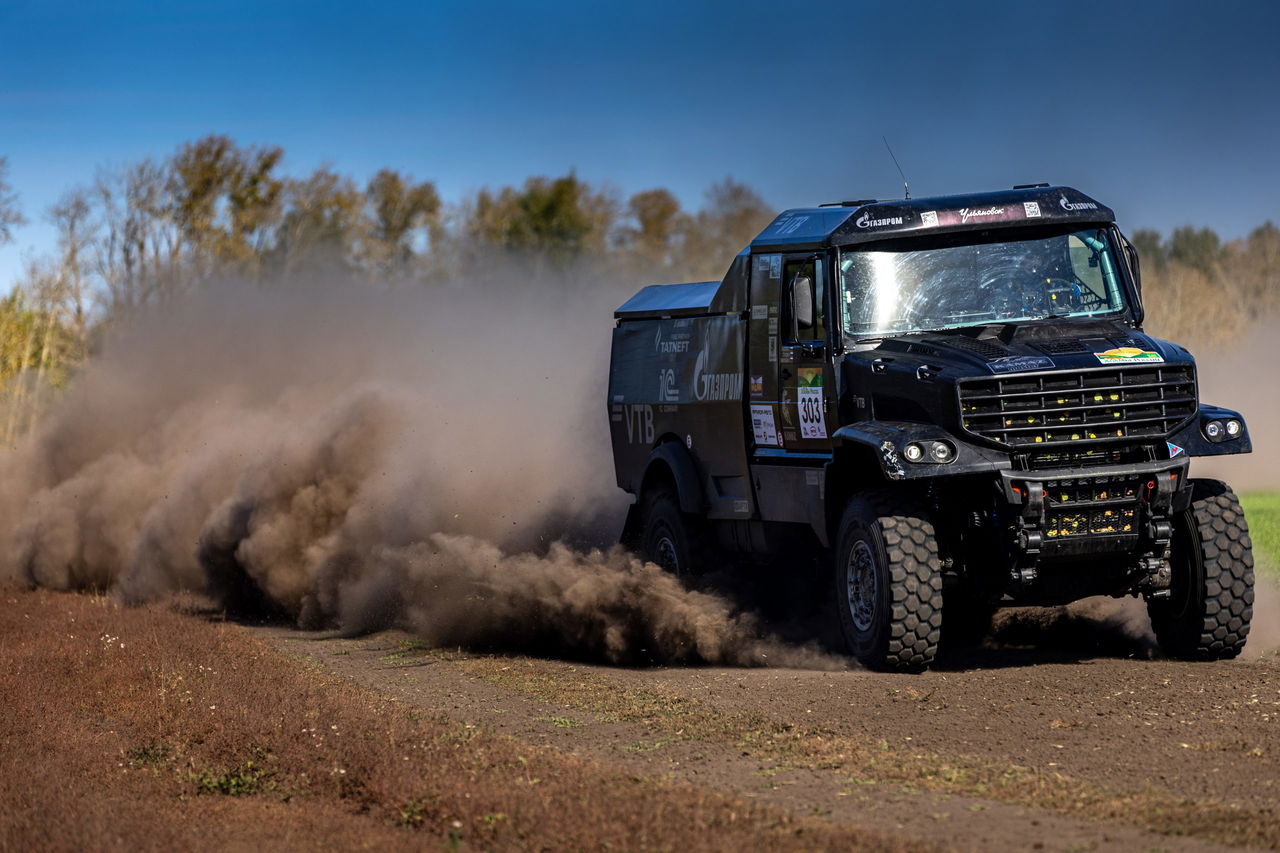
<point x="954" y="401"/>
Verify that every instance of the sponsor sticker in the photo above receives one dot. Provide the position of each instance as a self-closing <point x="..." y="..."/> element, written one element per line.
<point x="1020" y="363"/>
<point x="757" y="386"/>
<point x="790" y="224"/>
<point x="773" y="347"/>
<point x="929" y="218"/>
<point x="867" y="221"/>
<point x="1032" y="209"/>
<point x="677" y="342"/>
<point x="775" y="266"/>
<point x="742" y="507"/>
<point x="763" y="427"/>
<point x="813" y="423"/>
<point x="714" y="386"/>
<point x="639" y="421"/>
<point x="1075" y="205"/>
<point x="1125" y="355"/>
<point x="759" y="312"/>
<point x="1174" y="450"/>
<point x="890" y="461"/>
<point x="967" y="213"/>
<point x="668" y="392"/>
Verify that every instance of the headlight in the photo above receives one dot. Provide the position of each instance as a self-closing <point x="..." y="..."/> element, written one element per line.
<point x="941" y="452"/>
<point x="1234" y="428"/>
<point x="1214" y="431"/>
<point x="913" y="452"/>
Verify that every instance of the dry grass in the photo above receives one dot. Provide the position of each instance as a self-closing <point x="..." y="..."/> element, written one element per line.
<point x="670" y="716"/>
<point x="152" y="728"/>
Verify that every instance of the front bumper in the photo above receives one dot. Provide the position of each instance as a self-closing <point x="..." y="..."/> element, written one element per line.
<point x="1081" y="511"/>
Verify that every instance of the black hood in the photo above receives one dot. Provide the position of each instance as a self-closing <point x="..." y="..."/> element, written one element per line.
<point x="913" y="377"/>
<point x="1025" y="347"/>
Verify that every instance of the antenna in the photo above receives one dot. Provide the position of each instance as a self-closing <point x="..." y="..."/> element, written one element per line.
<point x="906" y="189"/>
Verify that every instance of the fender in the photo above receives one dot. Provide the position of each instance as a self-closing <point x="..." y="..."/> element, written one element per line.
<point x="685" y="472"/>
<point x="1191" y="439"/>
<point x="886" y="439"/>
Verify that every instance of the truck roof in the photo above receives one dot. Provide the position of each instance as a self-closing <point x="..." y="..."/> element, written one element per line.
<point x="816" y="227"/>
<point x="670" y="300"/>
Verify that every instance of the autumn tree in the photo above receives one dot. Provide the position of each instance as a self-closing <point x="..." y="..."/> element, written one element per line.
<point x="558" y="217"/>
<point x="401" y="213"/>
<point x="1197" y="248"/>
<point x="224" y="197"/>
<point x="656" y="228"/>
<point x="321" y="224"/>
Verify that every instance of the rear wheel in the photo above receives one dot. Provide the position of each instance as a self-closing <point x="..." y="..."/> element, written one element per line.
<point x="675" y="541"/>
<point x="888" y="582"/>
<point x="1207" y="614"/>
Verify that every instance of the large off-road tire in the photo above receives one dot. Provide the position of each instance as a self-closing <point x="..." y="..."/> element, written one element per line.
<point x="888" y="581"/>
<point x="1207" y="615"/>
<point x="674" y="540"/>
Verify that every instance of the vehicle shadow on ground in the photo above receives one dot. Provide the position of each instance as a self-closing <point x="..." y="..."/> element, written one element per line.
<point x="797" y="607"/>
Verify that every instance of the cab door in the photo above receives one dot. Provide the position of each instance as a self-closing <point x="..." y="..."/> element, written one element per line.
<point x="804" y="379"/>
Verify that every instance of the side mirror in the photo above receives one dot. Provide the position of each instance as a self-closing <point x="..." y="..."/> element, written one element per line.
<point x="1131" y="259"/>
<point x="802" y="302"/>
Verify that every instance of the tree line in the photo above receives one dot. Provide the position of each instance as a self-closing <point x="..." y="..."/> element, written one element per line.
<point x="139" y="235"/>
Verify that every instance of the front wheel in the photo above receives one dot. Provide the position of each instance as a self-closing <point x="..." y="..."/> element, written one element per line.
<point x="888" y="582"/>
<point x="1210" y="603"/>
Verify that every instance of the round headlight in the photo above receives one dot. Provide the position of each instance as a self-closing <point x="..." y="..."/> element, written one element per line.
<point x="1214" y="430"/>
<point x="941" y="451"/>
<point x="913" y="452"/>
<point x="1234" y="427"/>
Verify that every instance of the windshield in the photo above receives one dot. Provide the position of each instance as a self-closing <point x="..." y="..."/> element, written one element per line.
<point x="970" y="279"/>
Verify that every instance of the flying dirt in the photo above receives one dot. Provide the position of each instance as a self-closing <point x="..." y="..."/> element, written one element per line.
<point x="358" y="458"/>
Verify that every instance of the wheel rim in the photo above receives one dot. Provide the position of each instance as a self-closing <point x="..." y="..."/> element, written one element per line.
<point x="664" y="552"/>
<point x="860" y="575"/>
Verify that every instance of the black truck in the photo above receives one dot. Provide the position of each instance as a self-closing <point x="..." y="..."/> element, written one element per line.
<point x="952" y="401"/>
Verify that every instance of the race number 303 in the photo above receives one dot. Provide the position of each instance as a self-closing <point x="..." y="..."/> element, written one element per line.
<point x="812" y="423"/>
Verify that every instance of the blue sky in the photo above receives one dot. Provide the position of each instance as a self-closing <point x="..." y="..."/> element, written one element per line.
<point x="1168" y="112"/>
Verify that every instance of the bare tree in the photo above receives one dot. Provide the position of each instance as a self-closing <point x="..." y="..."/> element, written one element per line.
<point x="71" y="217"/>
<point x="10" y="215"/>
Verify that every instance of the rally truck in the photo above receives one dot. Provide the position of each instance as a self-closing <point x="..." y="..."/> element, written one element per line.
<point x="952" y="402"/>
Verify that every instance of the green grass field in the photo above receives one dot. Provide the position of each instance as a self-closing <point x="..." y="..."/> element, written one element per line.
<point x="1262" y="511"/>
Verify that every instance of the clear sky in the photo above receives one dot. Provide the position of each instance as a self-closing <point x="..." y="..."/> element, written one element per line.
<point x="1168" y="112"/>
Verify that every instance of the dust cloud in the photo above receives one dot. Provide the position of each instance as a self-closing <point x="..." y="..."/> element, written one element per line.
<point x="362" y="457"/>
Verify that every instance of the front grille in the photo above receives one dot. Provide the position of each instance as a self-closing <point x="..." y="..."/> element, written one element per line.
<point x="1092" y="506"/>
<point x="1111" y="404"/>
<point x="1088" y="457"/>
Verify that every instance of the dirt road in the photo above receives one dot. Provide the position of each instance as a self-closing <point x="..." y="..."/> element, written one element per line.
<point x="1008" y="748"/>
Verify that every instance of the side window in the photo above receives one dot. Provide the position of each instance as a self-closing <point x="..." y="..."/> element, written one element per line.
<point x="804" y="300"/>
